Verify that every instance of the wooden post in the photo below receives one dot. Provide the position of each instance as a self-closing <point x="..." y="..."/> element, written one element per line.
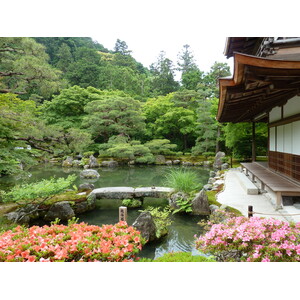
<point x="253" y="143"/>
<point x="123" y="213"/>
<point x="250" y="211"/>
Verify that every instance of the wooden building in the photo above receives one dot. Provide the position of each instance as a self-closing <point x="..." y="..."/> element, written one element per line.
<point x="265" y="87"/>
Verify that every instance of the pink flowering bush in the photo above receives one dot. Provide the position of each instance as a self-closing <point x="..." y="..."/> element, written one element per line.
<point x="75" y="242"/>
<point x="256" y="239"/>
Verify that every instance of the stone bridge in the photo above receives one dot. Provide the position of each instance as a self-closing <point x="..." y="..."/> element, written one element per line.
<point x="130" y="192"/>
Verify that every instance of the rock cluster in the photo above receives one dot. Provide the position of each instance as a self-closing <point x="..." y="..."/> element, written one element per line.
<point x="215" y="180"/>
<point x="62" y="210"/>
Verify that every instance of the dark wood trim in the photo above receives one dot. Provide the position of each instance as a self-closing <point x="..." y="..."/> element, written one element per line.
<point x="285" y="163"/>
<point x="285" y="121"/>
<point x="253" y="143"/>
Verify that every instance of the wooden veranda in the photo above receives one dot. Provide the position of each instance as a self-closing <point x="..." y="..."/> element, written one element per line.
<point x="279" y="184"/>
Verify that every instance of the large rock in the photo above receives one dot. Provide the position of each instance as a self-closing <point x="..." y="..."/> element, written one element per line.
<point x="160" y="160"/>
<point x="200" y="204"/>
<point x="61" y="210"/>
<point x="68" y="162"/>
<point x="109" y="163"/>
<point x="224" y="166"/>
<point x="207" y="163"/>
<point x="187" y="164"/>
<point x="93" y="163"/>
<point x="176" y="196"/>
<point x="145" y="225"/>
<point x="90" y="174"/>
<point x="23" y="215"/>
<point x="85" y="187"/>
<point x="176" y="162"/>
<point x="89" y="204"/>
<point x="218" y="160"/>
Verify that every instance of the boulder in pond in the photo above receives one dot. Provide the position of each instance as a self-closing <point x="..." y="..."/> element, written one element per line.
<point x="200" y="204"/>
<point x="176" y="162"/>
<point x="61" y="210"/>
<point x="68" y="162"/>
<point x="187" y="164"/>
<point x="24" y="214"/>
<point x="85" y="187"/>
<point x="160" y="160"/>
<point x="146" y="226"/>
<point x="207" y="163"/>
<point x="177" y="196"/>
<point x="93" y="163"/>
<point x="89" y="174"/>
<point x="109" y="163"/>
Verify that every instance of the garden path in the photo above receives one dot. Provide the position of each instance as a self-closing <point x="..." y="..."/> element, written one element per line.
<point x="235" y="196"/>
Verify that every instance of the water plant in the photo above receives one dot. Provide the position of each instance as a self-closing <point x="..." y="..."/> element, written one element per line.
<point x="132" y="202"/>
<point x="252" y="240"/>
<point x="70" y="243"/>
<point x="183" y="180"/>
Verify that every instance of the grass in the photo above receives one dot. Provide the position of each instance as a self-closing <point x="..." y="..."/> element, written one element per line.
<point x="179" y="257"/>
<point x="183" y="180"/>
<point x="211" y="195"/>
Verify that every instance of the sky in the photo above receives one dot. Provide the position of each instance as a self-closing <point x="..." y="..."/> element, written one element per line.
<point x="146" y="49"/>
<point x="147" y="27"/>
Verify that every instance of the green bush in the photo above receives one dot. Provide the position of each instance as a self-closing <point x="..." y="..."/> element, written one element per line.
<point x="37" y="190"/>
<point x="132" y="202"/>
<point x="161" y="218"/>
<point x="179" y="257"/>
<point x="161" y="146"/>
<point x="183" y="180"/>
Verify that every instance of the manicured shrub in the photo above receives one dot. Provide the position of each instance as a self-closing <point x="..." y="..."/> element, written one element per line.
<point x="70" y="243"/>
<point x="253" y="240"/>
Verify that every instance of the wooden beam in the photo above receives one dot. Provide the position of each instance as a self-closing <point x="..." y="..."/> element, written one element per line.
<point x="253" y="143"/>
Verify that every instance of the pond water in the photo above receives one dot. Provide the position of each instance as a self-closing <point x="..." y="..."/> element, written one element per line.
<point x="181" y="231"/>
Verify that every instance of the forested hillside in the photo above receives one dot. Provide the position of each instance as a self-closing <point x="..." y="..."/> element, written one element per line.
<point x="66" y="95"/>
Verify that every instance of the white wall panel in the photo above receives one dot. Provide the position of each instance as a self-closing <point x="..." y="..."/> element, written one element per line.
<point x="296" y="138"/>
<point x="275" y="114"/>
<point x="280" y="140"/>
<point x="287" y="138"/>
<point x="272" y="139"/>
<point x="292" y="107"/>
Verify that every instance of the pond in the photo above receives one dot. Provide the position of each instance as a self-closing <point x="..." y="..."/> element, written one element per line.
<point x="181" y="231"/>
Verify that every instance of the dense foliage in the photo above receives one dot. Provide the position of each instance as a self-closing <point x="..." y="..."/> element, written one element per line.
<point x="71" y="243"/>
<point x="66" y="95"/>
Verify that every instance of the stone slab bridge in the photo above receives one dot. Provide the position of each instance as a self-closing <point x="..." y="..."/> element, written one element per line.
<point x="130" y="192"/>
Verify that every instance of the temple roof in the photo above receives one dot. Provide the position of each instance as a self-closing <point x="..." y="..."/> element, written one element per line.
<point x="246" y="45"/>
<point x="258" y="85"/>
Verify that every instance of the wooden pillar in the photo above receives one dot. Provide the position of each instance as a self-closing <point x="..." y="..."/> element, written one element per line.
<point x="253" y="143"/>
<point x="278" y="200"/>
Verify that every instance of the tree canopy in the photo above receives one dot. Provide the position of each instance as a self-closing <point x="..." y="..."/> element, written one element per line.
<point x="65" y="95"/>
